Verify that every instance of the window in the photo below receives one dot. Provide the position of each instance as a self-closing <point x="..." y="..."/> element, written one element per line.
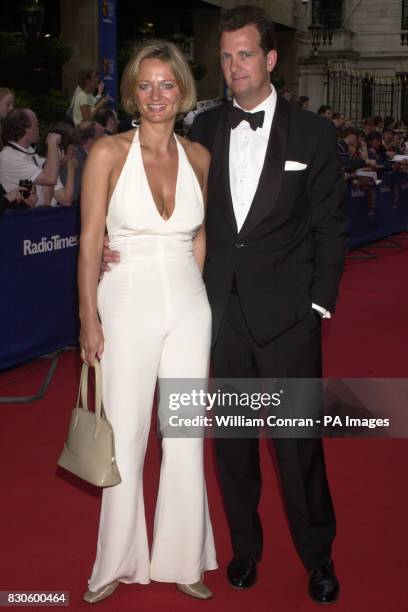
<point x="404" y="17"/>
<point x="329" y="13"/>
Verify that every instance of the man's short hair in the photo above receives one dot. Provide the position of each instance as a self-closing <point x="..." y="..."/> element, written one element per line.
<point x="103" y="115"/>
<point x="323" y="108"/>
<point x="241" y="16"/>
<point x="350" y="131"/>
<point x="87" y="133"/>
<point x="373" y="135"/>
<point x="337" y="116"/>
<point x="15" y="125"/>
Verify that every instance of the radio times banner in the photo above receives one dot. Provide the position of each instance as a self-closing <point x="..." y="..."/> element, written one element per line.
<point x="38" y="263"/>
<point x="107" y="48"/>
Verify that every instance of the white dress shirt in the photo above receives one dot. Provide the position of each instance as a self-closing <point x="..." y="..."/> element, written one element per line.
<point x="246" y="159"/>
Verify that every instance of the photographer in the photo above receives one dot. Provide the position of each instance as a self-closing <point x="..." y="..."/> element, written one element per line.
<point x="63" y="192"/>
<point x="18" y="159"/>
<point x="20" y="198"/>
<point x="348" y="151"/>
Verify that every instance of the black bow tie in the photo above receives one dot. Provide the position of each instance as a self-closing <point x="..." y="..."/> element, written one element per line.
<point x="236" y="115"/>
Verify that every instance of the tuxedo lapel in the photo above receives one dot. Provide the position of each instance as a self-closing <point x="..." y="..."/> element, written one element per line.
<point x="220" y="169"/>
<point x="271" y="176"/>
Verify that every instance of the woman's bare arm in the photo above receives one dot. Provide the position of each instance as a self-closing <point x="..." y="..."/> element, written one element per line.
<point x="94" y="203"/>
<point x="200" y="160"/>
<point x="65" y="195"/>
<point x="85" y="112"/>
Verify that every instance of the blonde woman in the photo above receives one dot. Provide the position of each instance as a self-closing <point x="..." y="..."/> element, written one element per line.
<point x="84" y="103"/>
<point x="149" y="318"/>
<point x="6" y="105"/>
<point x="6" y="102"/>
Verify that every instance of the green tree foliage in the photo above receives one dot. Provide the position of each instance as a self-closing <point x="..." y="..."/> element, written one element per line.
<point x="32" y="70"/>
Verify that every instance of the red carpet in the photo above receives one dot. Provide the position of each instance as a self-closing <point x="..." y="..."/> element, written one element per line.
<point x="48" y="521"/>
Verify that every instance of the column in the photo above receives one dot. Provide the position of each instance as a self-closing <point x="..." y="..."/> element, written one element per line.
<point x="79" y="28"/>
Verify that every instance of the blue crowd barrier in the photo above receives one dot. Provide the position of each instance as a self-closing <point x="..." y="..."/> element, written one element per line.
<point x="378" y="212"/>
<point x="38" y="263"/>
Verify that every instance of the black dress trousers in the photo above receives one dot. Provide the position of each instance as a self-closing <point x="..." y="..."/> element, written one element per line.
<point x="301" y="465"/>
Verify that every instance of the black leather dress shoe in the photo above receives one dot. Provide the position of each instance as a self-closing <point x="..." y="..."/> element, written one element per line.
<point x="323" y="584"/>
<point x="242" y="572"/>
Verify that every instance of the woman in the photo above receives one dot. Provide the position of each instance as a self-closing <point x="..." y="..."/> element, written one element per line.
<point x="84" y="104"/>
<point x="147" y="186"/>
<point x="6" y="102"/>
<point x="6" y="105"/>
<point x="63" y="192"/>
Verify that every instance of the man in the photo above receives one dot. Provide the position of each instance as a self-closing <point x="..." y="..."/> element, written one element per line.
<point x="349" y="143"/>
<point x="287" y="94"/>
<point x="376" y="149"/>
<point x="19" y="161"/>
<point x="108" y="119"/>
<point x="338" y="120"/>
<point x="388" y="141"/>
<point x="97" y="129"/>
<point x="378" y="123"/>
<point x="303" y="102"/>
<point x="88" y="132"/>
<point x="325" y="111"/>
<point x="275" y="241"/>
<point x="368" y="126"/>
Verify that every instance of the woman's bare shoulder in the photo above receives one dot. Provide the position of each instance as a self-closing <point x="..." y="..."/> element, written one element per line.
<point x="108" y="149"/>
<point x="124" y="137"/>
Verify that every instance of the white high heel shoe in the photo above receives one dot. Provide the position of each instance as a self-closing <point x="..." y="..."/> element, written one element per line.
<point x="104" y="592"/>
<point x="198" y="590"/>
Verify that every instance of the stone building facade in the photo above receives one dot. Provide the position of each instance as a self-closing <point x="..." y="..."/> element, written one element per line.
<point x="363" y="70"/>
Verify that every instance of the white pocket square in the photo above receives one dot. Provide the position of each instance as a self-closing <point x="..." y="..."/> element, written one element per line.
<point x="294" y="165"/>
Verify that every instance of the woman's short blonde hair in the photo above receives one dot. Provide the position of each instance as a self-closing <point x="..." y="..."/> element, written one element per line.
<point x="5" y="91"/>
<point x="171" y="55"/>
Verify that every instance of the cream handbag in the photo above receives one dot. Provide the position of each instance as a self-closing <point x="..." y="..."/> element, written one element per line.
<point x="89" y="450"/>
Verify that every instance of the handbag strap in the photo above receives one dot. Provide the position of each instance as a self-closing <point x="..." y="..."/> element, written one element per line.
<point x="83" y="388"/>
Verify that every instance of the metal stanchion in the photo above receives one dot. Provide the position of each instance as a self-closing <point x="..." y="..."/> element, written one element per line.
<point x="21" y="399"/>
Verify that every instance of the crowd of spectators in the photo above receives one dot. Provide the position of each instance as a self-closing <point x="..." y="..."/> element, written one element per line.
<point x="47" y="170"/>
<point x="378" y="146"/>
<point x="372" y="148"/>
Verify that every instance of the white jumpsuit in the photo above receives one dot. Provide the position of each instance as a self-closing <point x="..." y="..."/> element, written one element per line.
<point x="156" y="322"/>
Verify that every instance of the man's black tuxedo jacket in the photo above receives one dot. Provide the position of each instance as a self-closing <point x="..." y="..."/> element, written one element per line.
<point x="290" y="250"/>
